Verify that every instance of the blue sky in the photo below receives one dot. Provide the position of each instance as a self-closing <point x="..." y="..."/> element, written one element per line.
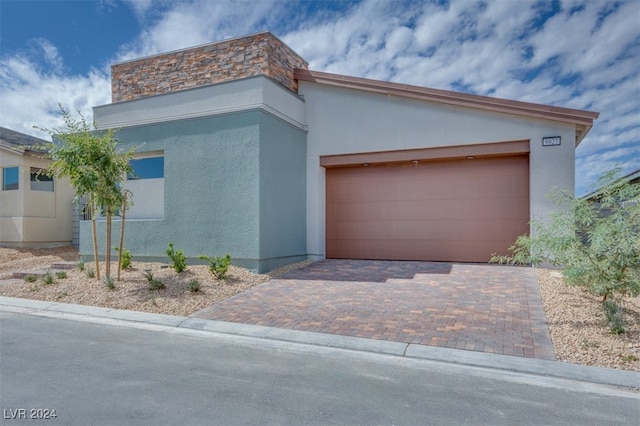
<point x="575" y="53"/>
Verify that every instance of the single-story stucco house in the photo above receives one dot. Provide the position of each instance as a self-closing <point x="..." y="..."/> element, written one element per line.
<point x="35" y="210"/>
<point x="244" y="150"/>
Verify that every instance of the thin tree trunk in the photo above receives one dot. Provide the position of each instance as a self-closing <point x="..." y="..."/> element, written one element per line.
<point x="124" y="209"/>
<point x="95" y="237"/>
<point x="107" y="253"/>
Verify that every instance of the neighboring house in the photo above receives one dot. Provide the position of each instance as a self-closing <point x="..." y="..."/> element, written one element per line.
<point x="632" y="178"/>
<point x="243" y="150"/>
<point x="35" y="210"/>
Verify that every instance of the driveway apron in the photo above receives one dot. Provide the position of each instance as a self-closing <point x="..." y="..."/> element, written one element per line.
<point x="476" y="307"/>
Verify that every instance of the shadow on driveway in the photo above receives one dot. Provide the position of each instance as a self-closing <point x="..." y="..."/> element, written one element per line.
<point x="366" y="270"/>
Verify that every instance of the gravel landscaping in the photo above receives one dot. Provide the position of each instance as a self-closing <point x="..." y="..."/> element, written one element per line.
<point x="576" y="321"/>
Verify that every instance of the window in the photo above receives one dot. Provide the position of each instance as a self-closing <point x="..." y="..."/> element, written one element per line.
<point x="146" y="183"/>
<point x="40" y="181"/>
<point x="10" y="178"/>
<point x="147" y="168"/>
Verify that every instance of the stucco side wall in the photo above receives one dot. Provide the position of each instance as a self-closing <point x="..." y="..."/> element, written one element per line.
<point x="30" y="218"/>
<point x="342" y="121"/>
<point x="210" y="189"/>
<point x="12" y="202"/>
<point x="283" y="228"/>
<point x="11" y="231"/>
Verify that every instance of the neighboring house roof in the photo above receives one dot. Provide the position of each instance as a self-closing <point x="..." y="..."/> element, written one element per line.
<point x="583" y="120"/>
<point x="20" y="142"/>
<point x="633" y="178"/>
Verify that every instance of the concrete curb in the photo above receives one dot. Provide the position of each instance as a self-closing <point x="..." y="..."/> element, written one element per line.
<point x="603" y="376"/>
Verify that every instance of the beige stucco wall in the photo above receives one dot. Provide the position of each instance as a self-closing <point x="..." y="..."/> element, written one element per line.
<point x="342" y="121"/>
<point x="34" y="218"/>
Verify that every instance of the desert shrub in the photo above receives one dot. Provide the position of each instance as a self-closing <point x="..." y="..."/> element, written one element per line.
<point x="90" y="272"/>
<point x="595" y="242"/>
<point x="178" y="260"/>
<point x="154" y="284"/>
<point x="81" y="265"/>
<point x="30" y="278"/>
<point x="193" y="285"/>
<point x="126" y="258"/>
<point x="218" y="265"/>
<point x="109" y="282"/>
<point x="61" y="274"/>
<point x="48" y="278"/>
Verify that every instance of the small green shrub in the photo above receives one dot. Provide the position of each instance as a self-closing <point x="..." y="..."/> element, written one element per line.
<point x="48" y="278"/>
<point x="193" y="285"/>
<point x="90" y="272"/>
<point x="109" y="282"/>
<point x="154" y="284"/>
<point x="61" y="274"/>
<point x="30" y="278"/>
<point x="62" y="295"/>
<point x="81" y="265"/>
<point x="178" y="259"/>
<point x="614" y="315"/>
<point x="218" y="265"/>
<point x="126" y="258"/>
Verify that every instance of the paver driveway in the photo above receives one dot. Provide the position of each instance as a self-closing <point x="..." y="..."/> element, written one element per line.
<point x="478" y="307"/>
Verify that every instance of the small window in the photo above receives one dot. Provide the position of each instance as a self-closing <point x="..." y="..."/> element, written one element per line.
<point x="40" y="181"/>
<point x="147" y="168"/>
<point x="10" y="178"/>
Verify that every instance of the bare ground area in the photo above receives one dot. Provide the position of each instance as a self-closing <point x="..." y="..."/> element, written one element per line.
<point x="576" y="321"/>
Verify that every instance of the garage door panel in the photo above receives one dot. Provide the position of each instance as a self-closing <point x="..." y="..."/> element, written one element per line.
<point x="445" y="210"/>
<point x="361" y="211"/>
<point x="363" y="230"/>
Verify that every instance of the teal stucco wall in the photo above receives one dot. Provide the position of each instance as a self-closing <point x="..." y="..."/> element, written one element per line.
<point x="283" y="187"/>
<point x="228" y="182"/>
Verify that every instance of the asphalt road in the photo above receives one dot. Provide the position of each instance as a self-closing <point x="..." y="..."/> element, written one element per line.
<point x="92" y="373"/>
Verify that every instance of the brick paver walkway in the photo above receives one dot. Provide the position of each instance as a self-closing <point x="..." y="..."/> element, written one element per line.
<point x="486" y="308"/>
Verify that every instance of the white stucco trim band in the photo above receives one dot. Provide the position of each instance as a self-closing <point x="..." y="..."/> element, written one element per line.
<point x="255" y="93"/>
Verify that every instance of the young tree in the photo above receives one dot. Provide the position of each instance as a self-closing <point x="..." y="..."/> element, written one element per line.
<point x="90" y="159"/>
<point x="595" y="242"/>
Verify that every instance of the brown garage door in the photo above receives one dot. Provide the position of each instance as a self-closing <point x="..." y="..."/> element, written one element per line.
<point x="462" y="210"/>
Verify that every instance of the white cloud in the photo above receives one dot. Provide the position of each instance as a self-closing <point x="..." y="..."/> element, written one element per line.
<point x="32" y="95"/>
<point x="186" y="24"/>
<point x="140" y="8"/>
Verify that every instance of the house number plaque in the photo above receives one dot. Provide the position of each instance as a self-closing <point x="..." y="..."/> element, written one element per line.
<point x="551" y="141"/>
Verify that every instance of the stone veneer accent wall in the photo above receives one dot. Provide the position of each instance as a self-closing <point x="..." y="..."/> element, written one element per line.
<point x="259" y="54"/>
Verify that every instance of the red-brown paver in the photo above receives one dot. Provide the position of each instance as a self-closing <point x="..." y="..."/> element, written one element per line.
<point x="477" y="307"/>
